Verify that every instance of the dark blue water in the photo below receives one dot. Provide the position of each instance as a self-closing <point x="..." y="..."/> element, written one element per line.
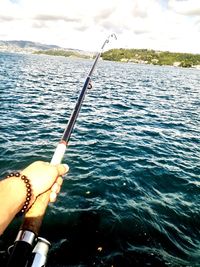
<point x="132" y="196"/>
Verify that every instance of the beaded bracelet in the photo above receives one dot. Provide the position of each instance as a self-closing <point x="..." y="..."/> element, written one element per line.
<point x="28" y="190"/>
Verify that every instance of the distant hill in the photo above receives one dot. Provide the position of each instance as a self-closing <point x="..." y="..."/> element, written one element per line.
<point x="34" y="47"/>
<point x="25" y="45"/>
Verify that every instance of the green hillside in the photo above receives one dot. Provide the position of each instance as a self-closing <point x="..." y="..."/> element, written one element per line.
<point x="65" y="53"/>
<point x="152" y="57"/>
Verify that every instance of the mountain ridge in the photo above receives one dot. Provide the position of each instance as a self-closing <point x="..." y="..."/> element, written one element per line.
<point x="24" y="46"/>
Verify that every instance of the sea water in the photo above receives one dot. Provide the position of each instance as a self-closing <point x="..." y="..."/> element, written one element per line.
<point x="132" y="195"/>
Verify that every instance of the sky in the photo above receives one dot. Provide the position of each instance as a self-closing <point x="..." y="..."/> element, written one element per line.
<point x="165" y="25"/>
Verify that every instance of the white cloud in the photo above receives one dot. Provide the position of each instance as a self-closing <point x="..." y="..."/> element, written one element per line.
<point x="186" y="7"/>
<point x="156" y="24"/>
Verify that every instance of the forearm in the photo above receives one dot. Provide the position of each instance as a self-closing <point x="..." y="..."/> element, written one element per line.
<point x="12" y="198"/>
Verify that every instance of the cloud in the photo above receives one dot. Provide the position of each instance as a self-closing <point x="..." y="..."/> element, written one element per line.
<point x="185" y="7"/>
<point x="47" y="17"/>
<point x="103" y="15"/>
<point x="9" y="10"/>
<point x="159" y="24"/>
<point x="5" y="18"/>
<point x="140" y="8"/>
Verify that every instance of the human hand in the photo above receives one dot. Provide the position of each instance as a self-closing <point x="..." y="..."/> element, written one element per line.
<point x="44" y="176"/>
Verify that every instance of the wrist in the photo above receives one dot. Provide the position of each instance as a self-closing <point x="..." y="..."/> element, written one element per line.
<point x="21" y="184"/>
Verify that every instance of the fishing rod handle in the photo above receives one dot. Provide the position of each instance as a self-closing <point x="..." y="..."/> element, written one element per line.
<point x="34" y="216"/>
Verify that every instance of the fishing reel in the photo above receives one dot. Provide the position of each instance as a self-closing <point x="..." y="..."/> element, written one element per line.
<point x="39" y="253"/>
<point x="38" y="256"/>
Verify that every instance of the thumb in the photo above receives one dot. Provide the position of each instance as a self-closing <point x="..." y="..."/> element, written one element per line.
<point x="62" y="169"/>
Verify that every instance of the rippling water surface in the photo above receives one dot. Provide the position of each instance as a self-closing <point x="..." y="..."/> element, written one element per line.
<point x="132" y="196"/>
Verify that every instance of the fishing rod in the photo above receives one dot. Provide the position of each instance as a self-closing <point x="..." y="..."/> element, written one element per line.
<point x="22" y="253"/>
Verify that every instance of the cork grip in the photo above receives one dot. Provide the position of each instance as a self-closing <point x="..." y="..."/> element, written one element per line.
<point x="34" y="217"/>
